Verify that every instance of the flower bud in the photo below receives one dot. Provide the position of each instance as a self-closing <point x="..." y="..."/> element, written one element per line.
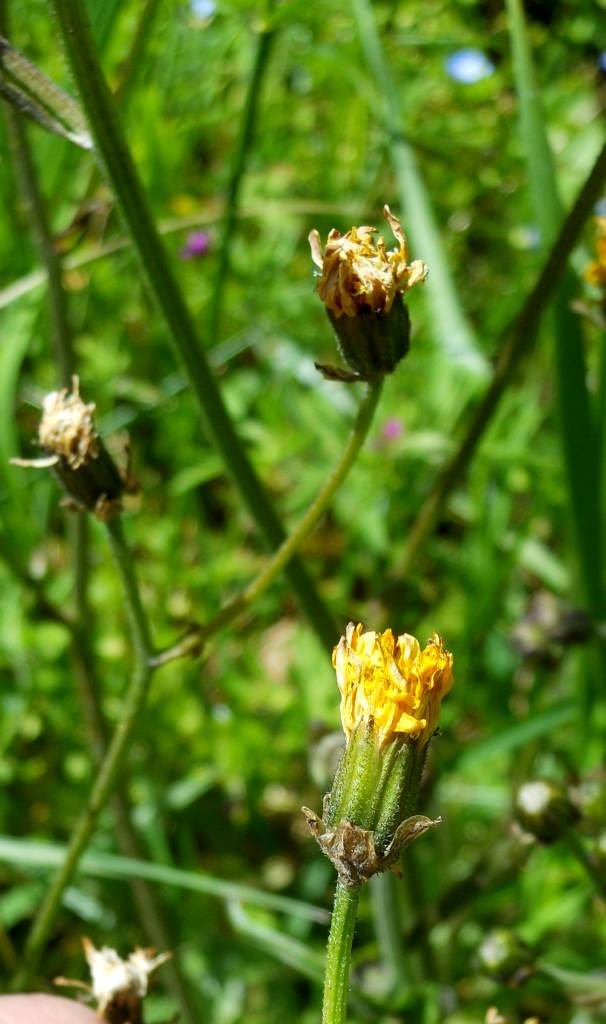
<point x="544" y="809"/>
<point x="503" y="956"/>
<point x="589" y="798"/>
<point x="362" y="285"/>
<point x="598" y="854"/>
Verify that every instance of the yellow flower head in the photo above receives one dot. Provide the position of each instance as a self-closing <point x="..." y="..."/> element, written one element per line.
<point x="359" y="275"/>
<point x="391" y="683"/>
<point x="595" y="272"/>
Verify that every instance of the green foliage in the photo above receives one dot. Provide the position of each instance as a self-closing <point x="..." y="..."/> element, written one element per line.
<point x="229" y="745"/>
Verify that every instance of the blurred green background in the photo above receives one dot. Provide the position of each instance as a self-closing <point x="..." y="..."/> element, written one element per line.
<point x="431" y="108"/>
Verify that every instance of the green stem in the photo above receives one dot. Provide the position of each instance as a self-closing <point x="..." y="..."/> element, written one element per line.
<point x="148" y="904"/>
<point x="575" y="845"/>
<point x="113" y="761"/>
<point x="338" y="954"/>
<point x="523" y="338"/>
<point x="117" y="162"/>
<point x="278" y="562"/>
<point x="130" y="70"/>
<point x="36" y="209"/>
<point x="247" y="128"/>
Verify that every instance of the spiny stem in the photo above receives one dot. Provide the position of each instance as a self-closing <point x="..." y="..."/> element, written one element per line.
<point x="285" y="552"/>
<point x="113" y="761"/>
<point x="119" y="167"/>
<point x="338" y="954"/>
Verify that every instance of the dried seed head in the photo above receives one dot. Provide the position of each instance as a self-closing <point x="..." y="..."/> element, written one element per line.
<point x="76" y="454"/>
<point x="66" y="428"/>
<point x="118" y="985"/>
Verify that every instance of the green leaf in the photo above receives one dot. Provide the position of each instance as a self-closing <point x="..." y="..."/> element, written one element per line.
<point x="283" y="947"/>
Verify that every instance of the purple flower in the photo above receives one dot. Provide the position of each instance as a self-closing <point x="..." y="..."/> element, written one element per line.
<point x="196" y="246"/>
<point x="468" y="66"/>
<point x="392" y="429"/>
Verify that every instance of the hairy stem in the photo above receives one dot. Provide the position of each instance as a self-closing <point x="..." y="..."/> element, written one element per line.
<point x="338" y="954"/>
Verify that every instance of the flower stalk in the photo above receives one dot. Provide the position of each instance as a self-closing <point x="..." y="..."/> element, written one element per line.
<point x="197" y="636"/>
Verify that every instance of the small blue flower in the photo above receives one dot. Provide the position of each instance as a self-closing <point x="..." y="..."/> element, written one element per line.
<point x="468" y="66"/>
<point x="602" y="61"/>
<point x="203" y="8"/>
<point x="600" y="207"/>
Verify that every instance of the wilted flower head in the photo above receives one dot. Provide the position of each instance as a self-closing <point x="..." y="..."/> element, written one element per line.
<point x="118" y="981"/>
<point x="595" y="272"/>
<point x="66" y="429"/>
<point x="76" y="454"/>
<point x="391" y="683"/>
<point x="359" y="274"/>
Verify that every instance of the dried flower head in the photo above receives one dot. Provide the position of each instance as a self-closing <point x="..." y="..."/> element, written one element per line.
<point x="358" y="274"/>
<point x="77" y="456"/>
<point x="494" y="1017"/>
<point x="66" y="429"/>
<point x="391" y="683"/>
<point x="595" y="272"/>
<point x="118" y="983"/>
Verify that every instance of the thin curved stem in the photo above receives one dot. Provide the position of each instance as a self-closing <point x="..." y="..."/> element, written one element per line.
<point x="121" y="173"/>
<point x="575" y="845"/>
<point x="338" y="954"/>
<point x="523" y="337"/>
<point x="245" y="137"/>
<point x="113" y="760"/>
<point x="287" y="549"/>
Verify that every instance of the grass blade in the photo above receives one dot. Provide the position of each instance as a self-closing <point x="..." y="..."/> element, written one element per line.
<point x="577" y="426"/>
<point x="451" y="327"/>
<point x="21" y="853"/>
